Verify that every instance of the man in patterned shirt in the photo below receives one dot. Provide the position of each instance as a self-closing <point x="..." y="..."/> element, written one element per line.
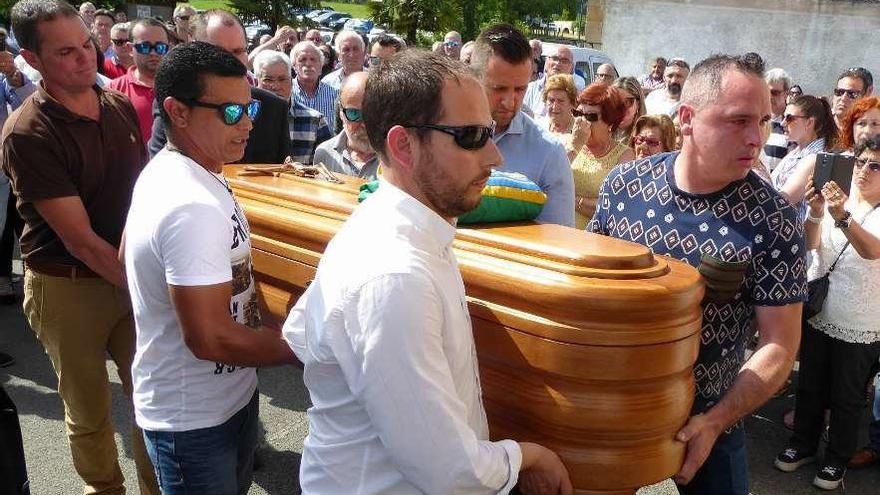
<point x="704" y="206"/>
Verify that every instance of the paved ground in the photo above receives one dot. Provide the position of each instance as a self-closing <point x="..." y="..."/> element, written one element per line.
<point x="31" y="384"/>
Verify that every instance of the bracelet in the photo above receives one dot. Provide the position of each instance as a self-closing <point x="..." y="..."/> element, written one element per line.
<point x="812" y="219"/>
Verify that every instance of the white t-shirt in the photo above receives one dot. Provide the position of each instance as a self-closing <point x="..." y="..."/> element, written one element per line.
<point x="658" y="103"/>
<point x="185" y="228"/>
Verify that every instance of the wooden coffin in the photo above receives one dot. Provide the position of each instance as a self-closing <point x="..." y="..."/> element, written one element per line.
<point x="585" y="343"/>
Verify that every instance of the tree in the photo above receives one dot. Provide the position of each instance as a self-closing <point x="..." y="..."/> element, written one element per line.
<point x="407" y="17"/>
<point x="273" y="13"/>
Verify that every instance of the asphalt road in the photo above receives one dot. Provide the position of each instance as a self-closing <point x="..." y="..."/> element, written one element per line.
<point x="283" y="401"/>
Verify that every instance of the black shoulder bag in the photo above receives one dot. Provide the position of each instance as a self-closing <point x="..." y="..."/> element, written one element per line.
<point x="818" y="289"/>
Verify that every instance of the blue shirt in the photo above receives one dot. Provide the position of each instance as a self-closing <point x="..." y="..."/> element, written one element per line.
<point x="13" y="97"/>
<point x="533" y="152"/>
<point x="307" y="129"/>
<point x="747" y="227"/>
<point x="324" y="100"/>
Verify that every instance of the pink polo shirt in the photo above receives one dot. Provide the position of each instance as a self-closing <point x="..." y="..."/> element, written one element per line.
<point x="141" y="98"/>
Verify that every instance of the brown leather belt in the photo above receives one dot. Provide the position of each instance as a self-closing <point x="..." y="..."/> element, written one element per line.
<point x="58" y="270"/>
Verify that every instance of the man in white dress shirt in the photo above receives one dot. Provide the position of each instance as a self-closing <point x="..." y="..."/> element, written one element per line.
<point x="387" y="346"/>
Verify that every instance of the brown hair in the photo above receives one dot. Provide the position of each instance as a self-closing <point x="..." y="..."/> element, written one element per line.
<point x="662" y="122"/>
<point x="561" y="82"/>
<point x="610" y="99"/>
<point x="820" y="111"/>
<point x="845" y="138"/>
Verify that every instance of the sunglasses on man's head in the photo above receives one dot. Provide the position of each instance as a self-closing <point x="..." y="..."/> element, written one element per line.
<point x="230" y="113"/>
<point x="852" y="93"/>
<point x="873" y="165"/>
<point x="145" y="47"/>
<point x="353" y="114"/>
<point x="469" y="137"/>
<point x="119" y="42"/>
<point x="590" y="116"/>
<point x="652" y="142"/>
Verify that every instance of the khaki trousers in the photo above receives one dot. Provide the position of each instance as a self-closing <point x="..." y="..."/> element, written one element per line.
<point x="79" y="321"/>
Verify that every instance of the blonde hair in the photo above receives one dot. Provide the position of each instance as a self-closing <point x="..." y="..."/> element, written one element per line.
<point x="561" y="82"/>
<point x="661" y="122"/>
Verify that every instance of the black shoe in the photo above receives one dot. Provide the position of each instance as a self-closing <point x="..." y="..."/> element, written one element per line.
<point x="790" y="459"/>
<point x="829" y="477"/>
<point x="6" y="360"/>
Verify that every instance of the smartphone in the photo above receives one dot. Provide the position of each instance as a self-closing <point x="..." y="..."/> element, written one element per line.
<point x="836" y="167"/>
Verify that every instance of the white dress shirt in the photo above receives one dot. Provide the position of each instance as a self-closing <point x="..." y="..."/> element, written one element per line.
<point x="390" y="364"/>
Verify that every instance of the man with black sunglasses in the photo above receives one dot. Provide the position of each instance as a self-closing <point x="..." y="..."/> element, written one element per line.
<point x="350" y="151"/>
<point x="503" y="59"/>
<point x="370" y="333"/>
<point x="150" y="41"/>
<point x="188" y="261"/>
<point x="118" y="64"/>
<point x="852" y="84"/>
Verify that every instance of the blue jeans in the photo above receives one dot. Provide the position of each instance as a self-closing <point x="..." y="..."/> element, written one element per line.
<point x="216" y="460"/>
<point x="725" y="471"/>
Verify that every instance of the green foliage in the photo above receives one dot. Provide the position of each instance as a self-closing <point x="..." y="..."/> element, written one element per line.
<point x="273" y="13"/>
<point x="407" y="17"/>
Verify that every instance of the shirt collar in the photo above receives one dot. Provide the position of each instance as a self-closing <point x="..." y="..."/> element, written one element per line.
<point x="425" y="221"/>
<point x="517" y="126"/>
<point x="53" y="107"/>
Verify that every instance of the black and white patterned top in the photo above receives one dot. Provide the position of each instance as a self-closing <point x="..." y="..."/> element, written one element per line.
<point x="747" y="227"/>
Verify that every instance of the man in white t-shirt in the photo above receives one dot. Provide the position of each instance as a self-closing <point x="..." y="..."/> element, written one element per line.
<point x="665" y="101"/>
<point x="387" y="345"/>
<point x="187" y="258"/>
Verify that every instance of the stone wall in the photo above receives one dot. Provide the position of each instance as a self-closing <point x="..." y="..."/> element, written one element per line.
<point x="812" y="39"/>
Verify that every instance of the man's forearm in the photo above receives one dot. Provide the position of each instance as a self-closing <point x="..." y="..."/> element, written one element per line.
<point x="756" y="382"/>
<point x="241" y="345"/>
<point x="103" y="259"/>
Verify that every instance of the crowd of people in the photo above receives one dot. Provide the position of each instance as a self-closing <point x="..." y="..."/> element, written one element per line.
<point x="136" y="247"/>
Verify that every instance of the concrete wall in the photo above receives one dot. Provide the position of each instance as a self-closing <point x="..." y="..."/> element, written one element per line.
<point x="812" y="39"/>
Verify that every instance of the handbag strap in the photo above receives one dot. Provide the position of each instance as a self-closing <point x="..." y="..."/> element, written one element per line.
<point x="833" y="265"/>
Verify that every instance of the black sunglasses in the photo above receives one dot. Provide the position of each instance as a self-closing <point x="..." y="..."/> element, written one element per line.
<point x="790" y="117"/>
<point x="852" y="93"/>
<point x="590" y="116"/>
<point x="873" y="166"/>
<point x="119" y="42"/>
<point x="352" y="114"/>
<point x="230" y="113"/>
<point x="183" y="17"/>
<point x="469" y="137"/>
<point x="144" y="47"/>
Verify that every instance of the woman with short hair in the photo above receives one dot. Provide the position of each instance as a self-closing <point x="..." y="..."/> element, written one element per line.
<point x="560" y="98"/>
<point x="594" y="153"/>
<point x="652" y="134"/>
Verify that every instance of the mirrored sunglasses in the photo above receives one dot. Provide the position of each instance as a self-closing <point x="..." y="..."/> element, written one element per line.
<point x="230" y="113"/>
<point x="452" y="44"/>
<point x="145" y="47"/>
<point x="352" y="114"/>
<point x="469" y="137"/>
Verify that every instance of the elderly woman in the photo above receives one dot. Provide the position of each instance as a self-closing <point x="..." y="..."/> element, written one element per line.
<point x="560" y="98"/>
<point x="652" y="134"/>
<point x="635" y="106"/>
<point x="594" y="153"/>
<point x="841" y="343"/>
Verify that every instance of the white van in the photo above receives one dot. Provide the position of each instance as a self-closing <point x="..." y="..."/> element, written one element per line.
<point x="586" y="60"/>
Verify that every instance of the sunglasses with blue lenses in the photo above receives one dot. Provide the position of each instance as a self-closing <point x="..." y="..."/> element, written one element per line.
<point x="145" y="47"/>
<point x="469" y="137"/>
<point x="353" y="114"/>
<point x="230" y="113"/>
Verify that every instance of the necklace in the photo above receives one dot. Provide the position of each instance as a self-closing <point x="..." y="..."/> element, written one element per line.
<point x="222" y="182"/>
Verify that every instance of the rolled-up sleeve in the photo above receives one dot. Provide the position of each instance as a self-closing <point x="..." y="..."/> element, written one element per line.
<point x="558" y="183"/>
<point x="395" y="332"/>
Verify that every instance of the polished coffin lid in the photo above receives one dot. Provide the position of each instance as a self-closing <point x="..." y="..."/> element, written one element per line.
<point x="563" y="318"/>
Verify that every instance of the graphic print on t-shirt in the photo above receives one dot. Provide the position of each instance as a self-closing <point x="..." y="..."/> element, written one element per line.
<point x="747" y="224"/>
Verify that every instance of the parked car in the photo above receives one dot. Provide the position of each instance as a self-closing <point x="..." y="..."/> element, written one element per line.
<point x="337" y="24"/>
<point x="318" y="12"/>
<point x="330" y="20"/>
<point x="254" y="31"/>
<point x="362" y="26"/>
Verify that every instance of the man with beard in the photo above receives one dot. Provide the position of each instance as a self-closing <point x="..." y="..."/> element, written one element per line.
<point x="852" y="84"/>
<point x="150" y="41"/>
<point x="666" y="101"/>
<point x="369" y="334"/>
<point x="503" y="60"/>
<point x="350" y="152"/>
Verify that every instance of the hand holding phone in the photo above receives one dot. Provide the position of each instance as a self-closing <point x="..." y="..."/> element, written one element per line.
<point x="833" y="167"/>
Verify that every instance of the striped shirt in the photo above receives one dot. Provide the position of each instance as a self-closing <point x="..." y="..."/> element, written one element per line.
<point x="308" y="129"/>
<point x="776" y="146"/>
<point x="324" y="100"/>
